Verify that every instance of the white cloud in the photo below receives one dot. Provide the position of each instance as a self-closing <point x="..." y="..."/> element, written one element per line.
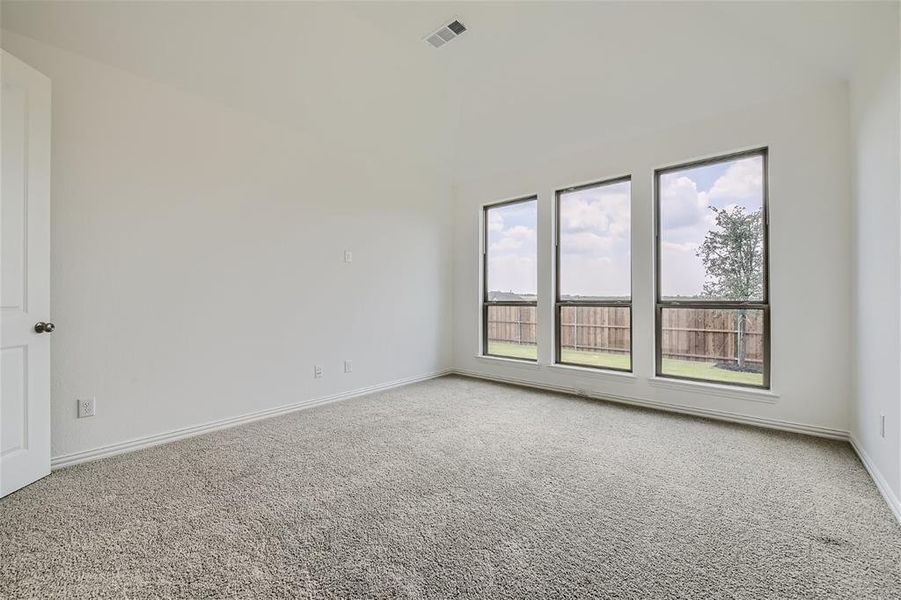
<point x="682" y="205"/>
<point x="515" y="238"/>
<point x="597" y="211"/>
<point x="742" y="184"/>
<point x="685" y="220"/>
<point x="587" y="242"/>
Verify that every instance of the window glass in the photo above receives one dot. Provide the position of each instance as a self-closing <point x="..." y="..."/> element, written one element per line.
<point x="596" y="336"/>
<point x="712" y="231"/>
<point x="512" y="331"/>
<point x="722" y="345"/>
<point x="511" y="280"/>
<point x="512" y="265"/>
<point x="595" y="243"/>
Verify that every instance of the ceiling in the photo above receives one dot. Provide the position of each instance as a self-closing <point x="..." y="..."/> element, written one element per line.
<point x="527" y="81"/>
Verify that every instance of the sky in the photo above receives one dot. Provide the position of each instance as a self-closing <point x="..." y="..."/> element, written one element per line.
<point x="595" y="232"/>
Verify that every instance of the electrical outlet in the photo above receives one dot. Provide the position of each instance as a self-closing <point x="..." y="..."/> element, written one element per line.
<point x="882" y="425"/>
<point x="348" y="366"/>
<point x="348" y="256"/>
<point x="317" y="371"/>
<point x="87" y="407"/>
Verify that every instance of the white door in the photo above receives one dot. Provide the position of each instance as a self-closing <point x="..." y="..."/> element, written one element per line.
<point x="25" y="275"/>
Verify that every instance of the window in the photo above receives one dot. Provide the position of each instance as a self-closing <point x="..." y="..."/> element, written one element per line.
<point x="510" y="270"/>
<point x="712" y="321"/>
<point x="594" y="278"/>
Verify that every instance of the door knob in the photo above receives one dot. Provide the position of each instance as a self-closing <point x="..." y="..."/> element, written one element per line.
<point x="44" y="327"/>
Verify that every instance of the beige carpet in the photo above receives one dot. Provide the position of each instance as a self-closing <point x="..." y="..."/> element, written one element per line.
<point x="460" y="488"/>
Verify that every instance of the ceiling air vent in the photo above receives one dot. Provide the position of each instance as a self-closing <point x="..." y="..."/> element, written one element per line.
<point x="445" y="34"/>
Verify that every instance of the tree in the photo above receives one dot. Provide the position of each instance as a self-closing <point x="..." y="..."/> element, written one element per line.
<point x="733" y="262"/>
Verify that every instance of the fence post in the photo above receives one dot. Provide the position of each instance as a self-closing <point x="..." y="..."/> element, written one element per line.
<point x="575" y="327"/>
<point x="519" y="322"/>
<point x="742" y="323"/>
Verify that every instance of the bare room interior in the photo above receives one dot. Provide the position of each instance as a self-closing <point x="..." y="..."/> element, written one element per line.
<point x="450" y="299"/>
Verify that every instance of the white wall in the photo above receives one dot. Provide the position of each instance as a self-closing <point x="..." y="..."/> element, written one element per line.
<point x="875" y="126"/>
<point x="810" y="245"/>
<point x="197" y="258"/>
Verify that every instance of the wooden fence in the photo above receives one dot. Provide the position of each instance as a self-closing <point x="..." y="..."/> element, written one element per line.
<point x="689" y="334"/>
<point x="512" y="324"/>
<point x="711" y="335"/>
<point x="595" y="328"/>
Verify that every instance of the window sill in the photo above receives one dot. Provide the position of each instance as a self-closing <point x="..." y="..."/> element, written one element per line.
<point x="715" y="389"/>
<point x="513" y="362"/>
<point x="624" y="376"/>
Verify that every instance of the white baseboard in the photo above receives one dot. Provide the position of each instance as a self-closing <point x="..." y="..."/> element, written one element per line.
<point x="74" y="458"/>
<point x="881" y="484"/>
<point x="721" y="415"/>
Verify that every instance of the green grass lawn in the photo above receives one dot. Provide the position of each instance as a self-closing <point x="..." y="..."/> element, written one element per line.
<point x="671" y="366"/>
<point x="703" y="370"/>
<point x="605" y="360"/>
<point x="513" y="350"/>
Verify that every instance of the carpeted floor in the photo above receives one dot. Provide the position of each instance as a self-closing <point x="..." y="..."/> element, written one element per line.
<point x="460" y="488"/>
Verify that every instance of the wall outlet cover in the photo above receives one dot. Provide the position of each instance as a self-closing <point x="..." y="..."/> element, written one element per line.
<point x="87" y="407"/>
